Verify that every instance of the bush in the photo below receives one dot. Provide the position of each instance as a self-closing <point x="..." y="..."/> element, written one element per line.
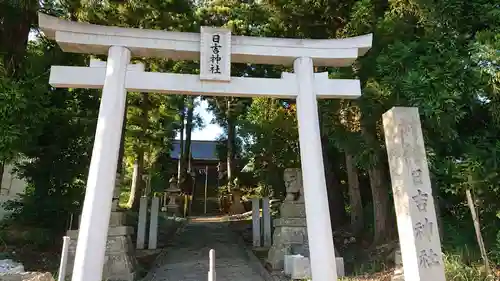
<point x="27" y="237"/>
<point x="495" y="252"/>
<point x="457" y="270"/>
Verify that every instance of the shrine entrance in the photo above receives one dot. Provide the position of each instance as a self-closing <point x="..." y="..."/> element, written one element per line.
<point x="216" y="49"/>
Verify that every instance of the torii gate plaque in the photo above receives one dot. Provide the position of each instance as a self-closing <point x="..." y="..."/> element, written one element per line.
<point x="218" y="49"/>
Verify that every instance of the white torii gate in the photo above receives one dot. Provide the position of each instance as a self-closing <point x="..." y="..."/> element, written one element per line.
<point x="218" y="49"/>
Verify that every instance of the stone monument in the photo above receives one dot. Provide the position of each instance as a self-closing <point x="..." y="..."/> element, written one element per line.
<point x="119" y="261"/>
<point x="173" y="192"/>
<point x="419" y="239"/>
<point x="290" y="230"/>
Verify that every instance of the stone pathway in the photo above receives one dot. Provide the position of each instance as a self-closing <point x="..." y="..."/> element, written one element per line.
<point x="186" y="258"/>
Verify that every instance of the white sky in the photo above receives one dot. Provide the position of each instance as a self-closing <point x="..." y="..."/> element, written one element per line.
<point x="210" y="131"/>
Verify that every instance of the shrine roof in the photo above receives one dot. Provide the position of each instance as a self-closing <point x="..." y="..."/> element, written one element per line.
<point x="78" y="37"/>
<point x="200" y="150"/>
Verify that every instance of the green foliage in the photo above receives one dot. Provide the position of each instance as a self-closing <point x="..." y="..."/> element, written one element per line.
<point x="495" y="253"/>
<point x="270" y="135"/>
<point x="32" y="237"/>
<point x="456" y="269"/>
<point x="49" y="133"/>
<point x="22" y="107"/>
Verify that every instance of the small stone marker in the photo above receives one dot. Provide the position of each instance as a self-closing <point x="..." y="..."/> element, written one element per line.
<point x="266" y="214"/>
<point x="153" y="223"/>
<point x="339" y="263"/>
<point x="141" y="227"/>
<point x="211" y="265"/>
<point x="300" y="268"/>
<point x="414" y="204"/>
<point x="256" y="222"/>
<point x="215" y="54"/>
<point x="64" y="259"/>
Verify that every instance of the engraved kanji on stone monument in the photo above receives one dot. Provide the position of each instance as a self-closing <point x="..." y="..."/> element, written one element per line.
<point x="417" y="176"/>
<point x="428" y="258"/>
<point x="421" y="200"/>
<point x="215" y="54"/>
<point x="424" y="229"/>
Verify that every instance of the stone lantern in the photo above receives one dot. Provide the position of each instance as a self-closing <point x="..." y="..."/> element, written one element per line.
<point x="236" y="205"/>
<point x="173" y="192"/>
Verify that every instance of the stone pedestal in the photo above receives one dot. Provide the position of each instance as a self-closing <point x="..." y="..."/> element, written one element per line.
<point x="236" y="206"/>
<point x="398" y="274"/>
<point x="172" y="207"/>
<point x="290" y="234"/>
<point x="173" y="210"/>
<point x="119" y="262"/>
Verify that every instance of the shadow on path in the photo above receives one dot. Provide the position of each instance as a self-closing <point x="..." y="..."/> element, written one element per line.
<point x="186" y="259"/>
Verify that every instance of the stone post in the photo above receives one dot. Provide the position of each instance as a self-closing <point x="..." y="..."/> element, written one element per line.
<point x="91" y="247"/>
<point x="153" y="223"/>
<point x="142" y="222"/>
<point x="414" y="204"/>
<point x="266" y="215"/>
<point x="64" y="259"/>
<point x="256" y="222"/>
<point x="319" y="229"/>
<point x="211" y="266"/>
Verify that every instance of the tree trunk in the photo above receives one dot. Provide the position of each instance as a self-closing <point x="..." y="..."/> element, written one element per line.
<point x="357" y="219"/>
<point x="121" y="153"/>
<point x="439" y="219"/>
<point x="137" y="182"/>
<point x="187" y="146"/>
<point x="231" y="136"/>
<point x="119" y="166"/>
<point x="2" y="167"/>
<point x="138" y="188"/>
<point x="335" y="196"/>
<point x="380" y="192"/>
<point x="437" y="205"/>
<point x="477" y="226"/>
<point x="380" y="196"/>
<point x="181" y="151"/>
<point x="14" y="34"/>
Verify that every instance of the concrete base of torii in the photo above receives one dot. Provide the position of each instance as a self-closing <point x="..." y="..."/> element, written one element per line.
<point x="119" y="262"/>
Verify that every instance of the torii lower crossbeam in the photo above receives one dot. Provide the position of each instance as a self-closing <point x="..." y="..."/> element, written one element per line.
<point x="155" y="82"/>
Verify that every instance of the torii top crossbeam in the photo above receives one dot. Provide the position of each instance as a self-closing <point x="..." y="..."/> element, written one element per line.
<point x="77" y="37"/>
